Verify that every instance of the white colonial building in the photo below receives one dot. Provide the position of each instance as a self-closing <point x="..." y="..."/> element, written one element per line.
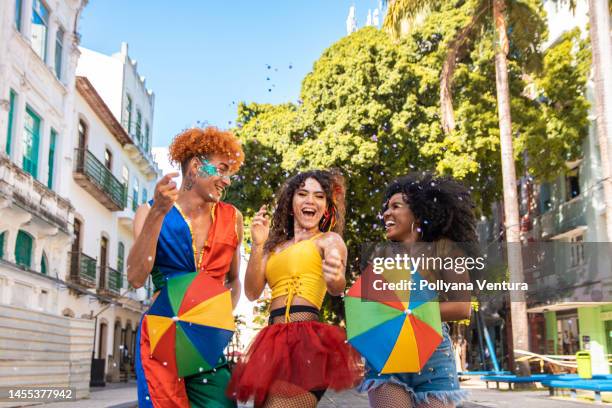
<point x="75" y="162"/>
<point x="38" y="58"/>
<point x="113" y="173"/>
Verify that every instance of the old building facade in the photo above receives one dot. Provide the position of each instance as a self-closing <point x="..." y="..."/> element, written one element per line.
<point x="75" y="162"/>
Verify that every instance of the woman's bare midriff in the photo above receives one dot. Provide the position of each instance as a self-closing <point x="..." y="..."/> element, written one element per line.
<point x="279" y="302"/>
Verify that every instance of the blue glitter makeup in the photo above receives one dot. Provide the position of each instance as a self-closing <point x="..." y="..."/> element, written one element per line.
<point x="207" y="169"/>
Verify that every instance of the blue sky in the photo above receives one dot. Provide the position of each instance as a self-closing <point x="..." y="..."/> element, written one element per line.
<point x="202" y="57"/>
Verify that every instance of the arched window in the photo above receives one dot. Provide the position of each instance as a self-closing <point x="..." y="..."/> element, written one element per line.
<point x="82" y="134"/>
<point x="2" y="245"/>
<point x="127" y="115"/>
<point x="120" y="257"/>
<point x="43" y="264"/>
<point x="82" y="129"/>
<point x="31" y="142"/>
<point x="40" y="27"/>
<point x="139" y="127"/>
<point x="23" y="249"/>
<point x="102" y="340"/>
<point x="135" y="190"/>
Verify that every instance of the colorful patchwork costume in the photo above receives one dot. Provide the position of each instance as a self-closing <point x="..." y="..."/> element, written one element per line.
<point x="158" y="384"/>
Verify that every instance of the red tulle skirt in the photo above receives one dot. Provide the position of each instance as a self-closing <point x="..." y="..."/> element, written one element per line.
<point x="289" y="359"/>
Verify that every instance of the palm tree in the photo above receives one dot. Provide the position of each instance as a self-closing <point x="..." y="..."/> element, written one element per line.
<point x="520" y="14"/>
<point x="518" y="307"/>
<point x="408" y="10"/>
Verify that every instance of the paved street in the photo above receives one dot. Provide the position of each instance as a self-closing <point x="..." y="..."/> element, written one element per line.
<point x="480" y="398"/>
<point x="124" y="396"/>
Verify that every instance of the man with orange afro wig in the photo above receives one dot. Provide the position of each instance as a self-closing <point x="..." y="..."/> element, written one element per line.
<point x="182" y="231"/>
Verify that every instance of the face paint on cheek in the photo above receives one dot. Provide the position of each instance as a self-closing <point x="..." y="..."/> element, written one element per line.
<point x="207" y="170"/>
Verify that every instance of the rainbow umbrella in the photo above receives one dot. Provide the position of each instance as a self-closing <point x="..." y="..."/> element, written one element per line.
<point x="190" y="323"/>
<point x="396" y="330"/>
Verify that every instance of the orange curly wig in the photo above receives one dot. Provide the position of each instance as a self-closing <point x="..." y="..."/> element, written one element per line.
<point x="203" y="142"/>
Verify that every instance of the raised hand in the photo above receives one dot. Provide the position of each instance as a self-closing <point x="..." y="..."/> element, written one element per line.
<point x="333" y="266"/>
<point x="260" y="226"/>
<point x="166" y="193"/>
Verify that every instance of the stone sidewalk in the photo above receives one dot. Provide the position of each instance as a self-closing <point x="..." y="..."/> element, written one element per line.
<point x="125" y="397"/>
<point x="480" y="398"/>
<point x="117" y="395"/>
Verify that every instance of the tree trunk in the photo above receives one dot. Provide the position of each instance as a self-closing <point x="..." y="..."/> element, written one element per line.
<point x="601" y="48"/>
<point x="446" y="94"/>
<point x="456" y="50"/>
<point x="518" y="307"/>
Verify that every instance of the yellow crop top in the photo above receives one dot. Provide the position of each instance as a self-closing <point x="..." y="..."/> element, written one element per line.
<point x="297" y="270"/>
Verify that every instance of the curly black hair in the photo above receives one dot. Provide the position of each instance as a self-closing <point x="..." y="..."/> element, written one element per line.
<point x="442" y="206"/>
<point x="282" y="219"/>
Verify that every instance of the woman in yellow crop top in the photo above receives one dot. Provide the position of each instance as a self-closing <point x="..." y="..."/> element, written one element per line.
<point x="301" y="257"/>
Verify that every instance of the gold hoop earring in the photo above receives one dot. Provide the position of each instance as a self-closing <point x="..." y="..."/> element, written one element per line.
<point x="419" y="230"/>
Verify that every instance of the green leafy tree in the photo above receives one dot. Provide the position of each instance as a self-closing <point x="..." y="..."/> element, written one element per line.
<point x="370" y="107"/>
<point x="559" y="128"/>
<point x="599" y="32"/>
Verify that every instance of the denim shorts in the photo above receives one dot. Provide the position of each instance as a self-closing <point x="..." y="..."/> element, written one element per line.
<point x="438" y="378"/>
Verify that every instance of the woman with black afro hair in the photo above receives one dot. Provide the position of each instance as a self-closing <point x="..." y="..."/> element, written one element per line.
<point x="425" y="211"/>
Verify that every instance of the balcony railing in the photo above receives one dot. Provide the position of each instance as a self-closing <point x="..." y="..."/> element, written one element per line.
<point x="563" y="218"/>
<point x="572" y="214"/>
<point x="83" y="269"/>
<point x="94" y="177"/>
<point x="115" y="280"/>
<point x="33" y="196"/>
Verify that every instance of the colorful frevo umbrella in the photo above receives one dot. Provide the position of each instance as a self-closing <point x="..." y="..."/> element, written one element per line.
<point x="190" y="323"/>
<point x="397" y="331"/>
